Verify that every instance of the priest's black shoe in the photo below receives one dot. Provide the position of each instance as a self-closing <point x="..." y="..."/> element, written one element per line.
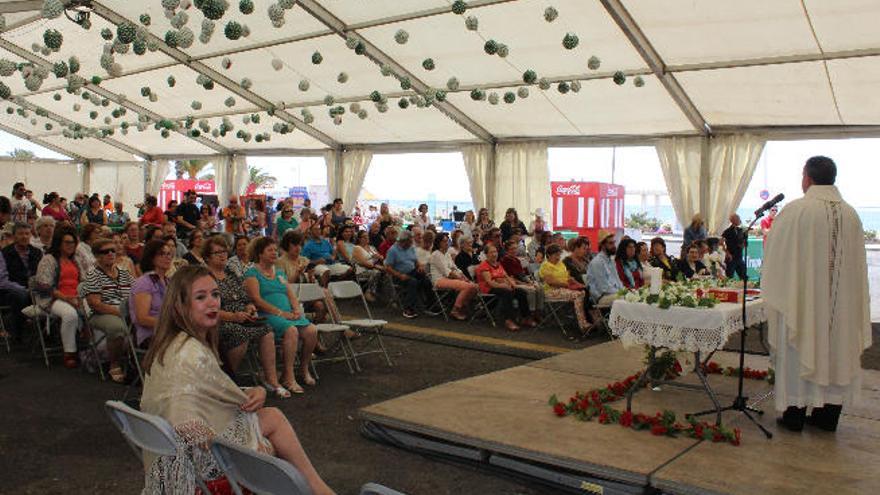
<point x="793" y="418"/>
<point x="825" y="417"/>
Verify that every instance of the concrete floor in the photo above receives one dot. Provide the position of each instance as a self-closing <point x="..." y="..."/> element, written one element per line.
<point x="56" y="438"/>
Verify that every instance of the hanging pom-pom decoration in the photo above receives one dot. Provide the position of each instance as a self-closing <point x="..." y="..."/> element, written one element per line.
<point x="317" y="58"/>
<point x="472" y="23"/>
<point x="550" y="14"/>
<point x="638" y="81"/>
<point x="428" y="64"/>
<point x="570" y="41"/>
<point x="593" y="63"/>
<point x="401" y="37"/>
<point x="277" y="64"/>
<point x="459" y="7"/>
<point x="619" y="78"/>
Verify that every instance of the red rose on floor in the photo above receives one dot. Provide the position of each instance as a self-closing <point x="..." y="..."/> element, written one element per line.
<point x="737" y="436"/>
<point x="603" y="418"/>
<point x="559" y="409"/>
<point x="698" y="431"/>
<point x="658" y="430"/>
<point x="626" y="419"/>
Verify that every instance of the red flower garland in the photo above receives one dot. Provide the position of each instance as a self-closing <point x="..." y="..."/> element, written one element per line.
<point x="594" y="404"/>
<point x="713" y="368"/>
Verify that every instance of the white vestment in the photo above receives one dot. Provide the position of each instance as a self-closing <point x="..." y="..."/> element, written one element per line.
<point x="815" y="287"/>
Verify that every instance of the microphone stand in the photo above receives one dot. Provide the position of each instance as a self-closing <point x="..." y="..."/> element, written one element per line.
<point x="740" y="402"/>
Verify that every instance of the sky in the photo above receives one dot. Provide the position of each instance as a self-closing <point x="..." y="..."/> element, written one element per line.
<point x="414" y="176"/>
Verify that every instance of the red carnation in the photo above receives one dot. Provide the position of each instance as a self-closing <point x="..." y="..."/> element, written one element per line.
<point x="559" y="409"/>
<point x="626" y="419"/>
<point x="658" y="430"/>
<point x="698" y="431"/>
<point x="603" y="418"/>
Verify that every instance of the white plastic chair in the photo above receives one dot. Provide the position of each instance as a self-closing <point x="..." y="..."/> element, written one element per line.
<point x="145" y="432"/>
<point x="264" y="474"/>
<point x="314" y="292"/>
<point x="349" y="289"/>
<point x="258" y="472"/>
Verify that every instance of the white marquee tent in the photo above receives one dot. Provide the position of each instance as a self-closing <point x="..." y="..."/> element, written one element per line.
<point x="706" y="81"/>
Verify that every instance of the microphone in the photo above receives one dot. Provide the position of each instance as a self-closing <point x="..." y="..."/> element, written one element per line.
<point x="769" y="204"/>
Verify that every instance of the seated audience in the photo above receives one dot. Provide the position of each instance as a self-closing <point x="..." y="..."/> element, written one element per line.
<point x="511" y="224"/>
<point x="153" y="214"/>
<point x="628" y="267"/>
<point x="306" y="220"/>
<point x="177" y="262"/>
<point x="185" y="385"/>
<point x="285" y="222"/>
<point x="403" y="264"/>
<point x="494" y="280"/>
<point x="94" y="213"/>
<point x="661" y="260"/>
<point x="484" y="223"/>
<point x="389" y="239"/>
<point x="44" y="226"/>
<point x="345" y="244"/>
<point x="602" y="279"/>
<point x="105" y="288"/>
<point x="695" y="231"/>
<point x="234" y="218"/>
<point x="513" y="265"/>
<point x="424" y="250"/>
<point x="148" y="291"/>
<point x="239" y="262"/>
<point x="538" y="245"/>
<point x="21" y="257"/>
<point x="194" y="244"/>
<point x="368" y="265"/>
<point x="294" y="265"/>
<point x="207" y="221"/>
<point x="53" y="208"/>
<point x="57" y="279"/>
<point x="560" y="285"/>
<point x="579" y="258"/>
<point x="118" y="217"/>
<point x="134" y="248"/>
<point x="453" y="242"/>
<point x="238" y="318"/>
<point x="691" y="266"/>
<point x="267" y="287"/>
<point x="321" y="254"/>
<point x="642" y="253"/>
<point x="422" y="219"/>
<point x="445" y="275"/>
<point x="467" y="257"/>
<point x="12" y="293"/>
<point x="714" y="257"/>
<point x="468" y="225"/>
<point x="88" y="235"/>
<point x="122" y="260"/>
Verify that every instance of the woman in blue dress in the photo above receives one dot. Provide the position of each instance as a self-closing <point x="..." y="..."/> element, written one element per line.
<point x="267" y="286"/>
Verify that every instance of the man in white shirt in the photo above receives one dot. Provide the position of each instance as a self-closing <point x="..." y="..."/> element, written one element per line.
<point x="815" y="287"/>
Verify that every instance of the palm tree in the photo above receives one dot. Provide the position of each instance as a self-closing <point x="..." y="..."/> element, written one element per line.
<point x="191" y="168"/>
<point x="260" y="179"/>
<point x="20" y="154"/>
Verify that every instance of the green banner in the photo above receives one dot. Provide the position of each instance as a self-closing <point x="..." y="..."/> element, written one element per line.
<point x="755" y="258"/>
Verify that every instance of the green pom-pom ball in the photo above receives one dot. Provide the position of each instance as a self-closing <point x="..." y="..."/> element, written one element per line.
<point x="246" y="7"/>
<point x="317" y="58"/>
<point x="232" y="30"/>
<point x="509" y="97"/>
<point x="619" y="78"/>
<point x="530" y="76"/>
<point x="459" y="7"/>
<point x="428" y="64"/>
<point x="570" y="41"/>
<point x="491" y="47"/>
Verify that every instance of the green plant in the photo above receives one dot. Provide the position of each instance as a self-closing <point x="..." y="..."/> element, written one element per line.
<point x="642" y="221"/>
<point x="871" y="235"/>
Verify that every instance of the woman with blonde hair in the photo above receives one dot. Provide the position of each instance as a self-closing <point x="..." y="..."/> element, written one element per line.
<point x="185" y="385"/>
<point x="696" y="231"/>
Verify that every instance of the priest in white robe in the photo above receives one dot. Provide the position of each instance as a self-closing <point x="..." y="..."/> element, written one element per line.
<point x="815" y="288"/>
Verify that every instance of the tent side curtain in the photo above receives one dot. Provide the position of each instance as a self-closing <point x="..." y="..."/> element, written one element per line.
<point x="477" y="163"/>
<point x="680" y="159"/>
<point x="222" y="175"/>
<point x="522" y="179"/>
<point x="158" y="172"/>
<point x="240" y="175"/>
<point x="42" y="177"/>
<point x="123" y="181"/>
<point x="731" y="162"/>
<point x="355" y="164"/>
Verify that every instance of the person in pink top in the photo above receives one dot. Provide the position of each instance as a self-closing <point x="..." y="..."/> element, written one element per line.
<point x="53" y="207"/>
<point x="493" y="279"/>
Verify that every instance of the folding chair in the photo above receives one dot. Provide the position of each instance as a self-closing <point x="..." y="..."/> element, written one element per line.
<point x="349" y="289"/>
<point x="3" y="331"/>
<point x="314" y="292"/>
<point x="41" y="321"/>
<point x="441" y="298"/>
<point x="145" y="432"/>
<point x="484" y="301"/>
<point x="136" y="352"/>
<point x="603" y="309"/>
<point x="557" y="307"/>
<point x="91" y="339"/>
<point x="264" y="474"/>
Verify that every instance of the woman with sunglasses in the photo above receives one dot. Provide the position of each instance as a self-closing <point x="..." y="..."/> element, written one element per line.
<point x="105" y="288"/>
<point x="57" y="279"/>
<point x="148" y="290"/>
<point x="484" y="223"/>
<point x="286" y="222"/>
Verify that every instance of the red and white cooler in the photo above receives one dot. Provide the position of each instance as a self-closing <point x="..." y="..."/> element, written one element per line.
<point x="588" y="208"/>
<point x="174" y="189"/>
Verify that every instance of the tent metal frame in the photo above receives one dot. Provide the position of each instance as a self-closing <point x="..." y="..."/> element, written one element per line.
<point x="615" y="9"/>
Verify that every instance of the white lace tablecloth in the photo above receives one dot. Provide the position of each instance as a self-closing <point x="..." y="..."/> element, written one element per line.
<point x="680" y="328"/>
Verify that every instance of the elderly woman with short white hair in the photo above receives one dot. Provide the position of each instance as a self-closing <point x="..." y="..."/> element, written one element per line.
<point x="45" y="227"/>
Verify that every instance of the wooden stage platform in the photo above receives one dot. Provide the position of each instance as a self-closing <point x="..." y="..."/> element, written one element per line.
<point x="502" y="420"/>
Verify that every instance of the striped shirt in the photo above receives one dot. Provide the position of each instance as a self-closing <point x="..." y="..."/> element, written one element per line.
<point x="113" y="292"/>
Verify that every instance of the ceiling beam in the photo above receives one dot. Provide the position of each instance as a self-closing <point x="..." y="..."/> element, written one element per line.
<point x="220" y="79"/>
<point x="42" y="143"/>
<point x="380" y="58"/>
<point x="640" y="42"/>
<point x="33" y="58"/>
<point x="779" y="60"/>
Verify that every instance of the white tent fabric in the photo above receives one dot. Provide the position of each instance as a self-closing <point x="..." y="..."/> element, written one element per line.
<point x="355" y="164"/>
<point x="41" y="177"/>
<point x="123" y="181"/>
<point x="739" y="66"/>
<point x="477" y="163"/>
<point x="680" y="159"/>
<point x="158" y="171"/>
<point x="521" y="179"/>
<point x="732" y="162"/>
<point x="240" y="175"/>
<point x="330" y="161"/>
<point x="222" y="184"/>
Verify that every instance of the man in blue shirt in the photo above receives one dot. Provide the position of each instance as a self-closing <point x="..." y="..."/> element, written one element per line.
<point x="602" y="279"/>
<point x="403" y="264"/>
<point x="322" y="256"/>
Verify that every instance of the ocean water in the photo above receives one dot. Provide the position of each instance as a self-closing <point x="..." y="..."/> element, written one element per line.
<point x="870" y="216"/>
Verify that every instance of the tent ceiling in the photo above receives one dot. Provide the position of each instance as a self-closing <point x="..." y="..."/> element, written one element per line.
<point x="780" y="64"/>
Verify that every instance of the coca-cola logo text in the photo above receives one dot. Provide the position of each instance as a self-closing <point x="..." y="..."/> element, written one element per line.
<point x="569" y="190"/>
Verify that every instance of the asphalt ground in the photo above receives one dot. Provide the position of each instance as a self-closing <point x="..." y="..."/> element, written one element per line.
<point x="55" y="437"/>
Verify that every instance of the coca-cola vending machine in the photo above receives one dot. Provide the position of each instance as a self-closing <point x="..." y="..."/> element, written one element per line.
<point x="588" y="208"/>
